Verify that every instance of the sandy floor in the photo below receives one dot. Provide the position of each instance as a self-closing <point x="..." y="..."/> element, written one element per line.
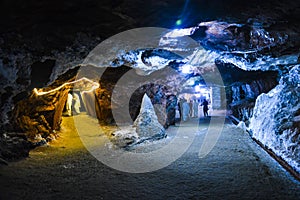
<point x="236" y="168"/>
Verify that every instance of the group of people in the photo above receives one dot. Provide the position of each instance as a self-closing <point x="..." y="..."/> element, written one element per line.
<point x="73" y="104"/>
<point x="190" y="109"/>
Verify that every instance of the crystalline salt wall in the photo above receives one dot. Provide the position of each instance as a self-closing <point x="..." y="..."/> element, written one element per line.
<point x="276" y="118"/>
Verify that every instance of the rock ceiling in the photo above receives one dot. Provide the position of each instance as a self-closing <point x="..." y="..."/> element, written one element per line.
<point x="46" y="25"/>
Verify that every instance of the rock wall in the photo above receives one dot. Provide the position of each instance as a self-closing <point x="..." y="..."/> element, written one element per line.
<point x="40" y="114"/>
<point x="161" y="86"/>
<point x="103" y="106"/>
<point x="242" y="96"/>
<point x="164" y="104"/>
<point x="23" y="67"/>
<point x="276" y="119"/>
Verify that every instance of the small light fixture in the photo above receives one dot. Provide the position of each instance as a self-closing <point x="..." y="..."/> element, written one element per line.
<point x="178" y="22"/>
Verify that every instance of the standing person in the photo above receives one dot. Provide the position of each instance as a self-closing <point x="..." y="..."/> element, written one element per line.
<point x="191" y="108"/>
<point x="185" y="110"/>
<point x="69" y="104"/>
<point x="88" y="99"/>
<point x="180" y="108"/>
<point x="77" y="104"/>
<point x="195" y="107"/>
<point x="205" y="108"/>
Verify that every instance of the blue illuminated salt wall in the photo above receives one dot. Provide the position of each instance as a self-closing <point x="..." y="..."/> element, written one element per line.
<point x="276" y="118"/>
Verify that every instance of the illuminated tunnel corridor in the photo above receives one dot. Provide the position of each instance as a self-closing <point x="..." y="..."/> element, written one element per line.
<point x="127" y="99"/>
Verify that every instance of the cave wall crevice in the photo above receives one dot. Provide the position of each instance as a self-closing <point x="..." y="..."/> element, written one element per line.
<point x="243" y="95"/>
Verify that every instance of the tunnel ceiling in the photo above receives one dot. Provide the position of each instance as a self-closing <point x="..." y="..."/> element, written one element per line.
<point x="252" y="35"/>
<point x="47" y="25"/>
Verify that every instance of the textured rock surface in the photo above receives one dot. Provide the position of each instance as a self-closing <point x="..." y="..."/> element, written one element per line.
<point x="146" y="123"/>
<point x="145" y="127"/>
<point x="42" y="118"/>
<point x="14" y="146"/>
<point x="242" y="95"/>
<point x="161" y="87"/>
<point x="124" y="137"/>
<point x="39" y="115"/>
<point x="276" y="119"/>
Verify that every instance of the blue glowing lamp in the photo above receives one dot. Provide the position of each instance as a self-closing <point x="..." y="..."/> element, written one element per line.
<point x="178" y="22"/>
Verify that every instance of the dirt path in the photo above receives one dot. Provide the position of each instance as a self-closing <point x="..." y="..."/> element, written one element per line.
<point x="236" y="168"/>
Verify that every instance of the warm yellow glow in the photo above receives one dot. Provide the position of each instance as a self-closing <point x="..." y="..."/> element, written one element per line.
<point x="95" y="85"/>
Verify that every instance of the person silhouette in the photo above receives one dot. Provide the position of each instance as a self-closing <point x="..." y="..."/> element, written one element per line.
<point x="195" y="107"/>
<point x="205" y="108"/>
<point x="69" y="104"/>
<point x="77" y="103"/>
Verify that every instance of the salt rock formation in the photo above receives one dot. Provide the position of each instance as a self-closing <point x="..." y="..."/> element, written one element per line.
<point x="147" y="125"/>
<point x="124" y="137"/>
<point x="276" y="119"/>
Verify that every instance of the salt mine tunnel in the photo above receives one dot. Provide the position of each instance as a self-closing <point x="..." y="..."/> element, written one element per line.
<point x="105" y="99"/>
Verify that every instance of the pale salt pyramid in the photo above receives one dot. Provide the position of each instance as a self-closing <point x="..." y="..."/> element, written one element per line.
<point x="146" y="124"/>
<point x="145" y="127"/>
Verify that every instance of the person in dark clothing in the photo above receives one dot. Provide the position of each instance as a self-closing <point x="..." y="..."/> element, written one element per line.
<point x="205" y="108"/>
<point x="180" y="108"/>
<point x="191" y="108"/>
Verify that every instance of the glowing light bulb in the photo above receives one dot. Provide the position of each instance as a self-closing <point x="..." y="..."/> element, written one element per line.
<point x="178" y="22"/>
